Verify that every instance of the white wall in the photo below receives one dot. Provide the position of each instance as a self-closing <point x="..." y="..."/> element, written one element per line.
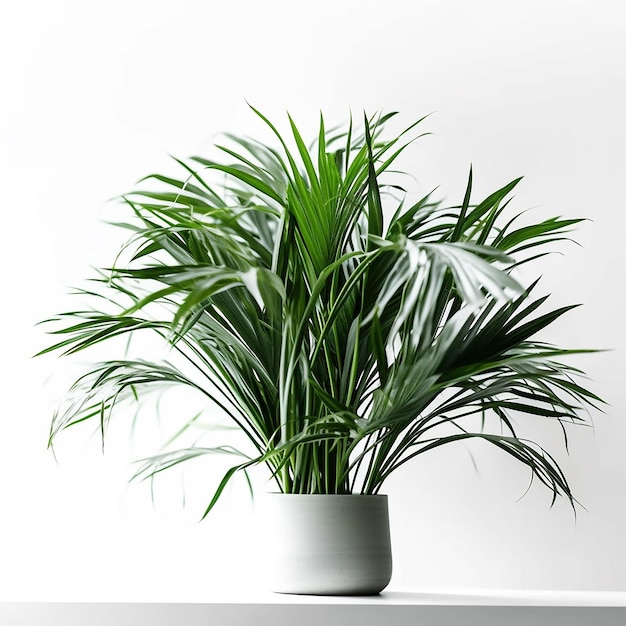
<point x="95" y="95"/>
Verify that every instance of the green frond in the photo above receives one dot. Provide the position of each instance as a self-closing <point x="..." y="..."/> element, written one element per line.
<point x="344" y="328"/>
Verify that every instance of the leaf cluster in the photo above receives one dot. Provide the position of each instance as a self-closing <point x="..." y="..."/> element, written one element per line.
<point x="344" y="331"/>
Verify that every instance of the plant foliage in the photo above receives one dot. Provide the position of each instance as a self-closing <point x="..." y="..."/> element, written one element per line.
<point x="341" y="338"/>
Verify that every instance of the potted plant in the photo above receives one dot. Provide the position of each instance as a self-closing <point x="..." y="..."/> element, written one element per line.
<point x="343" y="329"/>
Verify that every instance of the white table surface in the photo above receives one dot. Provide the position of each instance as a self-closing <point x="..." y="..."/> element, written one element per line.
<point x="393" y="607"/>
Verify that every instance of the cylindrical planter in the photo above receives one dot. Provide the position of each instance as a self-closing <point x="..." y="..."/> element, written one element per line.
<point x="326" y="544"/>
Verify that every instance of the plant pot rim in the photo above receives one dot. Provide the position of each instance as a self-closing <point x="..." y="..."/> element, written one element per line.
<point x="326" y="495"/>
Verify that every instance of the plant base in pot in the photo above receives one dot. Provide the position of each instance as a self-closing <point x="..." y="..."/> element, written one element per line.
<point x="327" y="544"/>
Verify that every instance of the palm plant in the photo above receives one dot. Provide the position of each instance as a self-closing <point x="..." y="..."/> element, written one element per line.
<point x="342" y="339"/>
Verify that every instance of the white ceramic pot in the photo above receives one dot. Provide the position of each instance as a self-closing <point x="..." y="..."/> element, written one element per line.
<point x="326" y="544"/>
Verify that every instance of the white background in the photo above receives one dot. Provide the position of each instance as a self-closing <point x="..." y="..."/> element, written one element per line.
<point x="96" y="95"/>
